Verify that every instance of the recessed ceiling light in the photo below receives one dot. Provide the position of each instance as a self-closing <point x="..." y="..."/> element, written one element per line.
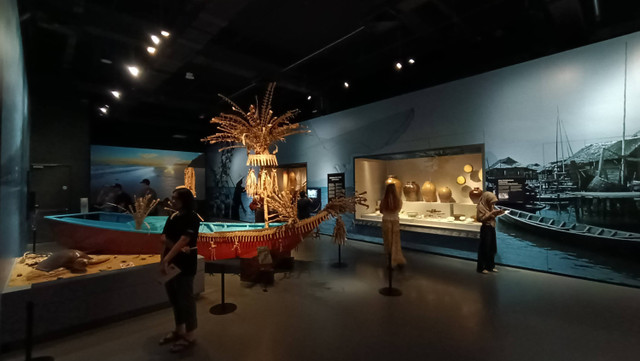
<point x="309" y="97"/>
<point x="398" y="65"/>
<point x="346" y="85"/>
<point x="411" y="61"/>
<point x="165" y="33"/>
<point x="155" y="39"/>
<point x="151" y="50"/>
<point x="106" y="61"/>
<point x="189" y="75"/>
<point x="133" y="70"/>
<point x="116" y="94"/>
<point x="104" y="110"/>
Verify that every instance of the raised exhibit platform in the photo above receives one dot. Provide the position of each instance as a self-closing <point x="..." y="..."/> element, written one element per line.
<point x="69" y="304"/>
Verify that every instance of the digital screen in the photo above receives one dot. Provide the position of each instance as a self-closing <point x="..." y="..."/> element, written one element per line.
<point x="313" y="193"/>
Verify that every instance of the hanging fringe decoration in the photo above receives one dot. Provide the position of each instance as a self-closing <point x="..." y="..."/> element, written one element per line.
<point x="190" y="179"/>
<point x="262" y="160"/>
<point x="340" y="232"/>
<point x="252" y="184"/>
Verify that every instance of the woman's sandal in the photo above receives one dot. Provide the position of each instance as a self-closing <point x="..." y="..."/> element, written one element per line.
<point x="169" y="338"/>
<point x="181" y="345"/>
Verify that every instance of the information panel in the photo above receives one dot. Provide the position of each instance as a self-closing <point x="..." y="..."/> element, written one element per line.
<point x="510" y="189"/>
<point x="335" y="186"/>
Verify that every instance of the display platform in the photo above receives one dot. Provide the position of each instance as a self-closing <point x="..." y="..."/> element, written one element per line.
<point x="24" y="275"/>
<point x="74" y="303"/>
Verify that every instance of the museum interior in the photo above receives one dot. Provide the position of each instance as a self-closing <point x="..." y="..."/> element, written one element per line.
<point x="320" y="180"/>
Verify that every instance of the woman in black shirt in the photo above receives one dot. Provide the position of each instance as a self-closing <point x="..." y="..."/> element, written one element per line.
<point x="180" y="237"/>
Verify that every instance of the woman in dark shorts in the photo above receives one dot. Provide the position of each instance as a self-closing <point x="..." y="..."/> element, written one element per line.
<point x="180" y="237"/>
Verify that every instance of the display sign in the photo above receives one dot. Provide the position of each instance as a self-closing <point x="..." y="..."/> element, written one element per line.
<point x="335" y="186"/>
<point x="510" y="189"/>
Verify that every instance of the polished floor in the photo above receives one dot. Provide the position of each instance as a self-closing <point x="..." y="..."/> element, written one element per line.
<point x="447" y="312"/>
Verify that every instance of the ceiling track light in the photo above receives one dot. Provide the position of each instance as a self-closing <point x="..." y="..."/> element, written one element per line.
<point x="104" y="110"/>
<point x="398" y="66"/>
<point x="155" y="39"/>
<point x="116" y="94"/>
<point x="133" y="70"/>
<point x="346" y="85"/>
<point x="165" y="33"/>
<point x="151" y="50"/>
<point x="309" y="97"/>
<point x="411" y="61"/>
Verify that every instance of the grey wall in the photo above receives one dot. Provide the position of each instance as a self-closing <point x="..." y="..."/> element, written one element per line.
<point x="511" y="110"/>
<point x="14" y="148"/>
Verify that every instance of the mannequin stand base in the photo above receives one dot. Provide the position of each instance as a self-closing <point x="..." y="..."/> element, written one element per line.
<point x="223" y="309"/>
<point x="390" y="291"/>
<point x="339" y="265"/>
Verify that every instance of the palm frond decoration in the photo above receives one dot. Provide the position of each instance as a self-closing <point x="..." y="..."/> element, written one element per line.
<point x="257" y="130"/>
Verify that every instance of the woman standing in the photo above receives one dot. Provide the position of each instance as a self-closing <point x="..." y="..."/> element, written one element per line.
<point x="180" y="237"/>
<point x="488" y="247"/>
<point x="390" y="207"/>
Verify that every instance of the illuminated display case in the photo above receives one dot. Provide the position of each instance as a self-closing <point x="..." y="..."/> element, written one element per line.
<point x="438" y="188"/>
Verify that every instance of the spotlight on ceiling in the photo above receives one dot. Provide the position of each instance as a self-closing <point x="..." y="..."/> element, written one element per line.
<point x="411" y="61"/>
<point x="165" y="33"/>
<point x="104" y="110"/>
<point x="133" y="70"/>
<point x="189" y="75"/>
<point x="309" y="97"/>
<point x="155" y="39"/>
<point x="116" y="94"/>
<point x="398" y="66"/>
<point x="151" y="50"/>
<point x="346" y="85"/>
<point x="105" y="61"/>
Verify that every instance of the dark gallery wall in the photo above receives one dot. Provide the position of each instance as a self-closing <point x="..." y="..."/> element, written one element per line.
<point x="14" y="147"/>
<point x="60" y="143"/>
<point x="512" y="111"/>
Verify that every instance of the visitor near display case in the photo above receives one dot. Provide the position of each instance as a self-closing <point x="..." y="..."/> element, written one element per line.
<point x="445" y="202"/>
<point x="487" y="249"/>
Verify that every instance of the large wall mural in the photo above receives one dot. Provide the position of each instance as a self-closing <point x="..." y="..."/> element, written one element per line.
<point x="127" y="167"/>
<point x="555" y="124"/>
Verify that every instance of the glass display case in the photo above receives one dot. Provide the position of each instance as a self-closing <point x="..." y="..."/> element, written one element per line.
<point x="439" y="188"/>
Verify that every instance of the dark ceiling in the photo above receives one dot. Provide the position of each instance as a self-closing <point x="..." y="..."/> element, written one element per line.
<point x="79" y="49"/>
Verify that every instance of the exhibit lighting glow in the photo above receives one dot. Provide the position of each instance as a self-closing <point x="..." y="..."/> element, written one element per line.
<point x="155" y="39"/>
<point x="412" y="61"/>
<point x="105" y="61"/>
<point x="151" y="50"/>
<point x="309" y="97"/>
<point x="165" y="33"/>
<point x="104" y="110"/>
<point x="116" y="94"/>
<point x="133" y="70"/>
<point x="398" y="65"/>
<point x="346" y="85"/>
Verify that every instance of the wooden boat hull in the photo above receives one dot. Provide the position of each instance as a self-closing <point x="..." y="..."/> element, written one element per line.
<point x="96" y="241"/>
<point x="571" y="232"/>
<point x="112" y="233"/>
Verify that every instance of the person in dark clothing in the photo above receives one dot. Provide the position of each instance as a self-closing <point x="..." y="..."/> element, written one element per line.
<point x="236" y="202"/>
<point x="487" y="249"/>
<point x="304" y="206"/>
<point x="180" y="237"/>
<point x="122" y="199"/>
<point x="145" y="190"/>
